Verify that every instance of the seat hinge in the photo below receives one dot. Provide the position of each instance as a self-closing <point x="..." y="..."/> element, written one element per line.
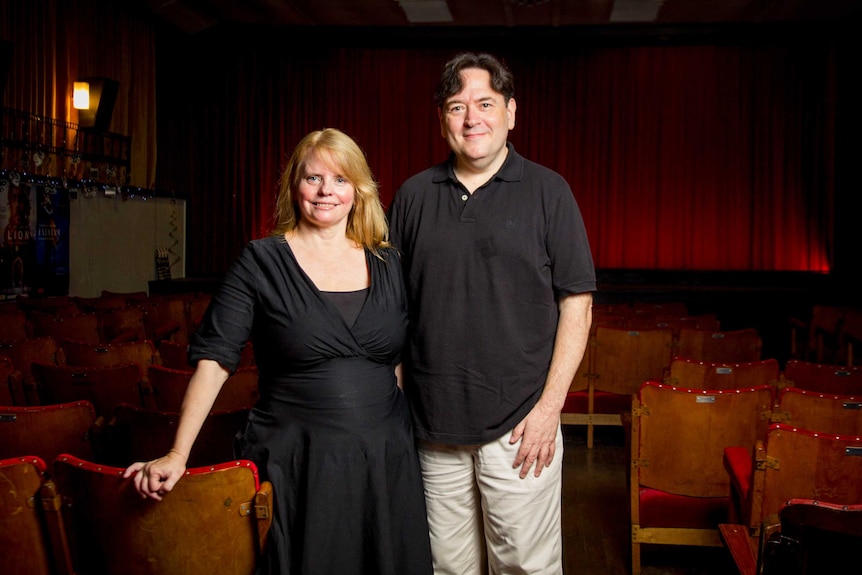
<point x="780" y="417"/>
<point x="768" y="463"/>
<point x="640" y="411"/>
<point x="260" y="511"/>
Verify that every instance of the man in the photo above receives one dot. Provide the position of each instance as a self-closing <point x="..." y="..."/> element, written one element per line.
<point x="500" y="279"/>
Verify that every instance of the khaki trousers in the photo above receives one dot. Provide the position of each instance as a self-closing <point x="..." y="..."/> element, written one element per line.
<point x="484" y="518"/>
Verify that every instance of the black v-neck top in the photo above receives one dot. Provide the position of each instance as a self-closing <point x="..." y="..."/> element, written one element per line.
<point x="349" y="303"/>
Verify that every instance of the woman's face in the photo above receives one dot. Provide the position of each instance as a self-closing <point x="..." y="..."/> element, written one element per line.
<point x="325" y="196"/>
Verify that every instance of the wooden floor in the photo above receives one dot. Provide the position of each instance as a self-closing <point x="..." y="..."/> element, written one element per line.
<point x="596" y="524"/>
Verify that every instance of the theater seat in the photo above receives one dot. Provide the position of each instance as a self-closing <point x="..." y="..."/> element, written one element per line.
<point x="215" y="520"/>
<point x="679" y="487"/>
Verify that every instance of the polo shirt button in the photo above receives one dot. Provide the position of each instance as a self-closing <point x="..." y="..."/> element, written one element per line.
<point x="464" y="198"/>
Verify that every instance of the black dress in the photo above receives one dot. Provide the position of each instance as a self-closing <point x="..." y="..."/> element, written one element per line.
<point x="331" y="430"/>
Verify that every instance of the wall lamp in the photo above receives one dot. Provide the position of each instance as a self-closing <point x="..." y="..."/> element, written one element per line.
<point x="81" y="96"/>
<point x="94" y="98"/>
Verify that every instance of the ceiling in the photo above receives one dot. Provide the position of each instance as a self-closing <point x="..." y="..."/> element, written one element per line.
<point x="193" y="16"/>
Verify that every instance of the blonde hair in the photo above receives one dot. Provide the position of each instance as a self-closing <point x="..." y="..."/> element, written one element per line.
<point x="366" y="223"/>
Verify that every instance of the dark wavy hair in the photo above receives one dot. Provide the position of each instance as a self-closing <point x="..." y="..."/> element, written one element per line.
<point x="450" y="82"/>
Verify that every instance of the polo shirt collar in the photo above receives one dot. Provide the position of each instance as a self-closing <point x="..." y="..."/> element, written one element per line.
<point x="511" y="170"/>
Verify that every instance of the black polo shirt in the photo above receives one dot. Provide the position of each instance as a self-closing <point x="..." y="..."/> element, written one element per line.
<point x="484" y="273"/>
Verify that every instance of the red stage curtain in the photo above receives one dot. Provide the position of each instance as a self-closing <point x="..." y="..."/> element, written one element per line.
<point x="716" y="157"/>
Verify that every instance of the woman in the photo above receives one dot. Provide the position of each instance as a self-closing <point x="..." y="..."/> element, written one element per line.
<point x="322" y="300"/>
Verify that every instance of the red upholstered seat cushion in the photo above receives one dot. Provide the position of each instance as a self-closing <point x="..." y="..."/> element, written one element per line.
<point x="661" y="509"/>
<point x="737" y="461"/>
<point x="576" y="402"/>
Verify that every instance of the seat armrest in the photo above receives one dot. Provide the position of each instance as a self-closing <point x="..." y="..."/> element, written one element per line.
<point x="263" y="512"/>
<point x="737" y="541"/>
<point x="739" y="466"/>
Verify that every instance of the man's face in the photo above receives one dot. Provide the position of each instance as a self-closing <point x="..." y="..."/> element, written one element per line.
<point x="476" y="121"/>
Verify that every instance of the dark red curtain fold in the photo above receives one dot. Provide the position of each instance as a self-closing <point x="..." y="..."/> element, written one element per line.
<point x="716" y="157"/>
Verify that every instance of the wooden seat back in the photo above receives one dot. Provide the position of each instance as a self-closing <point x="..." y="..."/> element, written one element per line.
<point x="23" y="354"/>
<point x="174" y="355"/>
<point x="581" y="380"/>
<point x="616" y="362"/>
<point x="9" y="388"/>
<point x="100" y="303"/>
<point x="825" y="413"/>
<point x="195" y="310"/>
<point x="817" y="339"/>
<point x="130" y="298"/>
<point x="165" y="318"/>
<point x="83" y="327"/>
<point x="168" y="386"/>
<point x="48" y="430"/>
<point x="215" y="520"/>
<point x="138" y="434"/>
<point x="14" y="325"/>
<point x="797" y="463"/>
<point x="103" y="386"/>
<point x="685" y="372"/>
<point x="683" y="432"/>
<point x="624" y="358"/>
<point x="809" y="537"/>
<point x="812" y="537"/>
<point x="677" y="440"/>
<point x="121" y="324"/>
<point x="707" y="321"/>
<point x="586" y="368"/>
<point x="728" y="346"/>
<point x="24" y="541"/>
<point x="57" y="305"/>
<point x="142" y="353"/>
<point x="823" y="378"/>
<point x="240" y="391"/>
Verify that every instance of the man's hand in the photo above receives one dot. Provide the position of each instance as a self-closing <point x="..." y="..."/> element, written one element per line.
<point x="538" y="436"/>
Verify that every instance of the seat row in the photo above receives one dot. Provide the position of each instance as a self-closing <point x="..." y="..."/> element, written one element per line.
<point x="681" y="488"/>
<point x="70" y="515"/>
<point x="828" y="335"/>
<point x="156" y="387"/>
<point x="43" y="370"/>
<point x="106" y="319"/>
<point x="704" y="458"/>
<point x="617" y="360"/>
<point x="807" y="536"/>
<point x="129" y="433"/>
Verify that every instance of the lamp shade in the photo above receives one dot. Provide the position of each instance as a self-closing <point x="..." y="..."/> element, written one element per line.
<point x="103" y="95"/>
<point x="81" y="96"/>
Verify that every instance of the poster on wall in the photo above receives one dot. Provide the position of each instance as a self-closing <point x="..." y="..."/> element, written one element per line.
<point x="52" y="240"/>
<point x="34" y="219"/>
